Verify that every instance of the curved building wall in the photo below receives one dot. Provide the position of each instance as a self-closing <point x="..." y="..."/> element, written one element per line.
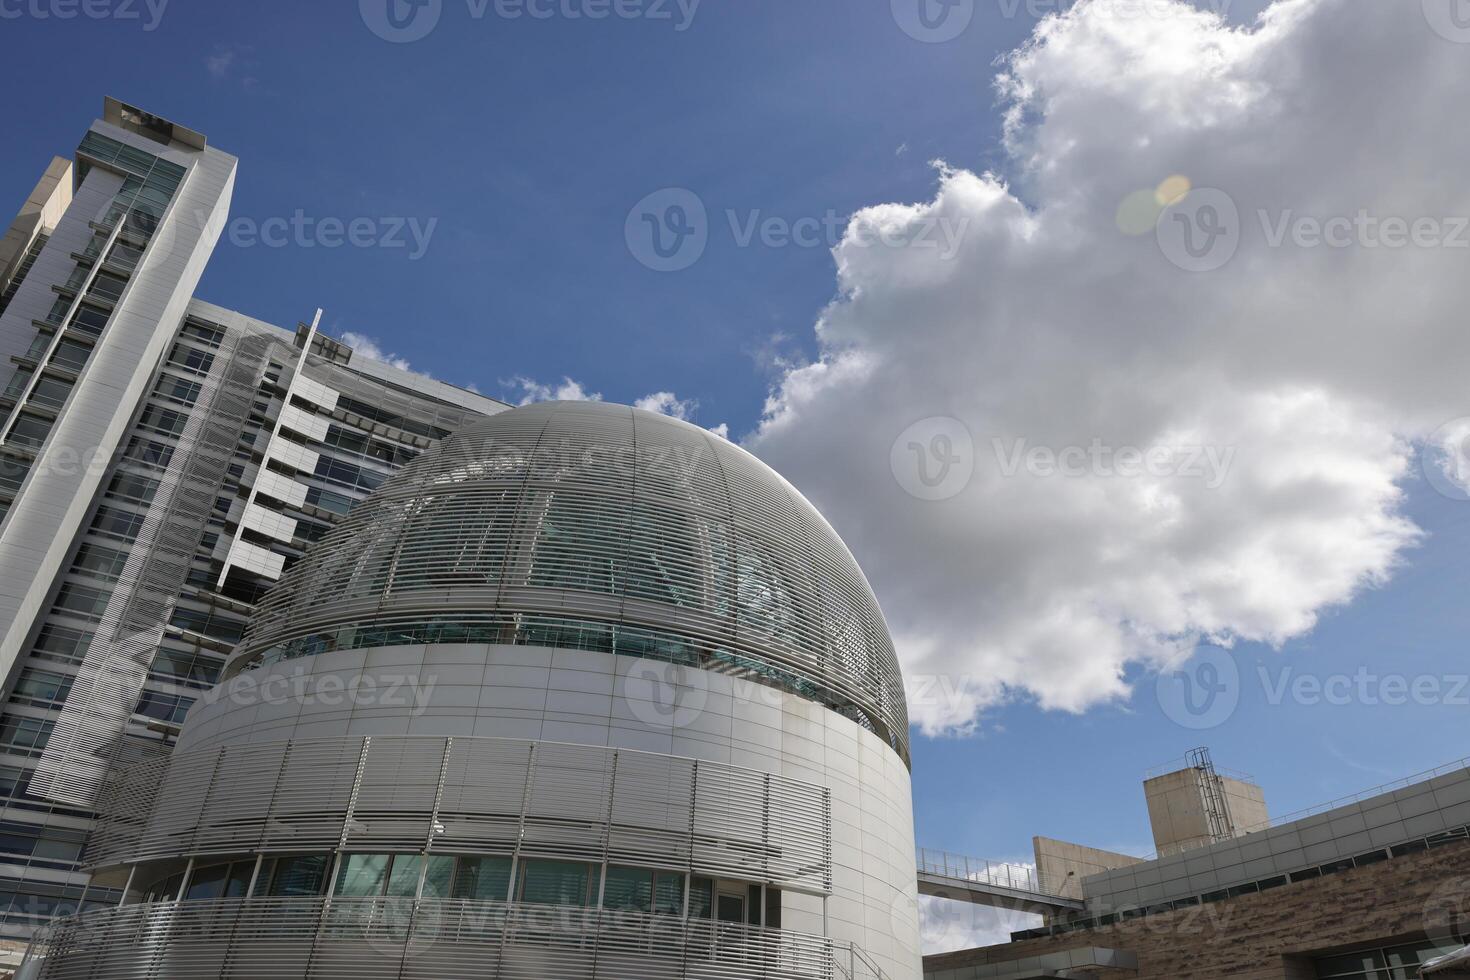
<point x="569" y="697"/>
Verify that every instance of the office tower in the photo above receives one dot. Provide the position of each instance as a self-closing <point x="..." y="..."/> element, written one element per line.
<point x="582" y="691"/>
<point x="162" y="462"/>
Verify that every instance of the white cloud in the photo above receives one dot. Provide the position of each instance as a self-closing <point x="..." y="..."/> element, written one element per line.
<point x="1314" y="370"/>
<point x="667" y="403"/>
<point x="530" y="390"/>
<point x="365" y="346"/>
<point x="219" y="63"/>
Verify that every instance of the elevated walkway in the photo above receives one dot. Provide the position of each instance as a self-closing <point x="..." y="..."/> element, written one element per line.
<point x="980" y="882"/>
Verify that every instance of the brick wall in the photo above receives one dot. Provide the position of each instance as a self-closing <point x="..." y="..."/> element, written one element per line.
<point x="1272" y="935"/>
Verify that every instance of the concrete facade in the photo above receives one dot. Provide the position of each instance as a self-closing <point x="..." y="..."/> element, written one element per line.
<point x="1179" y="809"/>
<point x="1276" y="935"/>
<point x="1062" y="866"/>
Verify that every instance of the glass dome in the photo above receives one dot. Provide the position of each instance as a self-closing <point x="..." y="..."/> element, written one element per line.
<point x="600" y="527"/>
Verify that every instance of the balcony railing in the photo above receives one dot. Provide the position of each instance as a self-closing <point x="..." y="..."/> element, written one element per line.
<point x="379" y="939"/>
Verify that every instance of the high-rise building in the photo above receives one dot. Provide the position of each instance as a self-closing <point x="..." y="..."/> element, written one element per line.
<point x="583" y="691"/>
<point x="162" y="462"/>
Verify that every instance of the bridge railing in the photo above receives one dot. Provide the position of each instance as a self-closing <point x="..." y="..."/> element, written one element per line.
<point x="999" y="874"/>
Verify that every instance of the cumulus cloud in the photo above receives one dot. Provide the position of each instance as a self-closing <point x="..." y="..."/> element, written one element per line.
<point x="946" y="926"/>
<point x="1059" y="454"/>
<point x="528" y="390"/>
<point x="667" y="403"/>
<point x="365" y="346"/>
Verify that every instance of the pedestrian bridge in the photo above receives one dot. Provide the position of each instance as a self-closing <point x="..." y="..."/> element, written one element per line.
<point x="1004" y="886"/>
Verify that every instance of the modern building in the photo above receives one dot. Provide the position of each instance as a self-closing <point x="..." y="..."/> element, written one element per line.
<point x="582" y="691"/>
<point x="1363" y="889"/>
<point x="162" y="462"/>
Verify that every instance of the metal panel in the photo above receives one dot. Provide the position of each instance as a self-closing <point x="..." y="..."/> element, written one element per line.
<point x="387" y="939"/>
<point x="498" y="796"/>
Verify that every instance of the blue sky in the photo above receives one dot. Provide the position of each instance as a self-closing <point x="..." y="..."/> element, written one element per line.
<point x="529" y="142"/>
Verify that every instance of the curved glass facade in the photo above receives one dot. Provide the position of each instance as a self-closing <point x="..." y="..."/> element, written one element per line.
<point x="598" y="527"/>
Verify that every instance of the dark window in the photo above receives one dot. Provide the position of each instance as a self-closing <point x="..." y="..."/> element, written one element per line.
<point x="165" y="707"/>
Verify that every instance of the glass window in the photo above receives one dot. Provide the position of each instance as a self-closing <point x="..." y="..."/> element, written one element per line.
<point x="107" y="286"/>
<point x="30" y="431"/>
<point x="668" y="894"/>
<point x="42" y="685"/>
<point x="190" y="359"/>
<point x="82" y="600"/>
<point x="13" y="473"/>
<point x="178" y="390"/>
<point x="25" y="735"/>
<point x="296" y="877"/>
<point x="403" y="881"/>
<point x="486" y="879"/>
<point x="555" y="883"/>
<point x="438" y="876"/>
<point x="115" y="523"/>
<point x="629" y="889"/>
<point x="62" y="643"/>
<point x="701" y="898"/>
<point x="169" y="708"/>
<point x="207" y="882"/>
<point x="51" y="392"/>
<point x="89" y="320"/>
<point x="70" y="355"/>
<point x="362" y="875"/>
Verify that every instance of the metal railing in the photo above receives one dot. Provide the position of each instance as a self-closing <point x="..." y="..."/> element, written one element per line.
<point x="383" y="938"/>
<point x="1017" y="877"/>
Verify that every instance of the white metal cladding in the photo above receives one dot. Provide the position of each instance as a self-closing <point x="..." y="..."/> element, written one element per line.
<point x="404" y="939"/>
<point x="488" y="796"/>
<point x="598" y="526"/>
<point x="112" y="674"/>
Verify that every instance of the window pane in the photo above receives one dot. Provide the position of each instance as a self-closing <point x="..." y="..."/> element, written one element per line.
<point x="438" y="877"/>
<point x="628" y="888"/>
<point x="486" y="879"/>
<point x="701" y="898"/>
<point x="208" y="882"/>
<point x="554" y="883"/>
<point x="404" y="881"/>
<point x="299" y="876"/>
<point x="668" y="894"/>
<point x="362" y="875"/>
